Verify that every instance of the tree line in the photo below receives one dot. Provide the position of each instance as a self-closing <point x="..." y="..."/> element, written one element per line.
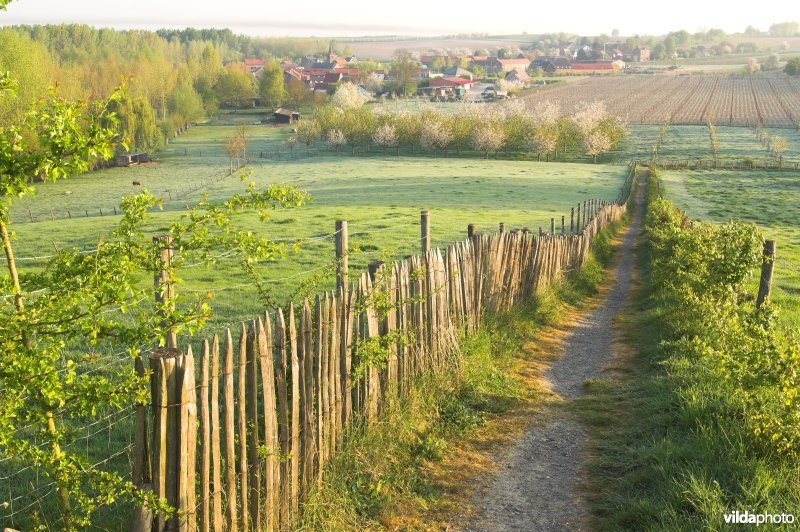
<point x="541" y="129"/>
<point x="172" y="77"/>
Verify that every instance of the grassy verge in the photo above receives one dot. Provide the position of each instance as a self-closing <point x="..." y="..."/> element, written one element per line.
<point x="701" y="420"/>
<point x="416" y="468"/>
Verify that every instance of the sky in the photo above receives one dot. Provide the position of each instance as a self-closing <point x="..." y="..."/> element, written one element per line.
<point x="408" y="17"/>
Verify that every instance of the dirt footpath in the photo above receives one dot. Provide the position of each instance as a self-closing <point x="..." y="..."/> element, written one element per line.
<point x="538" y="487"/>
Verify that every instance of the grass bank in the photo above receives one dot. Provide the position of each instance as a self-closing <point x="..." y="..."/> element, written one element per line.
<point x="770" y="199"/>
<point x="416" y="468"/>
<point x="703" y="417"/>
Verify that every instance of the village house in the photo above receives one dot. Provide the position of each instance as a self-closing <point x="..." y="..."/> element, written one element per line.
<point x="551" y="65"/>
<point x="520" y="64"/>
<point x="641" y="53"/>
<point x="703" y="51"/>
<point x="597" y="67"/>
<point x="446" y="87"/>
<point x="254" y="66"/>
<point x="515" y="76"/>
<point x="458" y="72"/>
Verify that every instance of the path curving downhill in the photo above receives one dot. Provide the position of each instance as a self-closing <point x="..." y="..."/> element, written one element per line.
<point x="538" y="487"/>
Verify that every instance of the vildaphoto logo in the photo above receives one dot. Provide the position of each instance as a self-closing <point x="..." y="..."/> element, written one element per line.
<point x="735" y="517"/>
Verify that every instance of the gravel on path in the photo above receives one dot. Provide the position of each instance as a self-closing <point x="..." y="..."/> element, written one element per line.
<point x="538" y="487"/>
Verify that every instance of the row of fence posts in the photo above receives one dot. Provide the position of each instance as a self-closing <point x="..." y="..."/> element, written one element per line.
<point x="179" y="193"/>
<point x="681" y="164"/>
<point x="300" y="389"/>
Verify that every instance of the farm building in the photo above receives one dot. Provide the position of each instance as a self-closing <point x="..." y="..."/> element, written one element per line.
<point x="254" y="66"/>
<point x="131" y="159"/>
<point x="520" y="64"/>
<point x="552" y="64"/>
<point x="642" y="53"/>
<point x="286" y="116"/>
<point x="444" y="87"/>
<point x="597" y="67"/>
<point x="515" y="76"/>
<point x="458" y="72"/>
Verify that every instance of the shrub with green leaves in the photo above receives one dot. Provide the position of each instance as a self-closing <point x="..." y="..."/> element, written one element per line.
<point x="701" y="271"/>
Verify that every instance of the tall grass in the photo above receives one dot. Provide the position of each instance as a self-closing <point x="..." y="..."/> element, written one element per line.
<point x="378" y="481"/>
<point x="706" y="420"/>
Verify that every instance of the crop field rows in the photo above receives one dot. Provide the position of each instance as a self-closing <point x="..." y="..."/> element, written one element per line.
<point x="689" y="100"/>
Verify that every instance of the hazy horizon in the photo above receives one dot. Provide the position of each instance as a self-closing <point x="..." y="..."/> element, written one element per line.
<point x="416" y="18"/>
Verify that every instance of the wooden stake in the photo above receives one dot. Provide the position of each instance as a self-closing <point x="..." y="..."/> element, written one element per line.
<point x="205" y="449"/>
<point x="425" y="231"/>
<point x="164" y="290"/>
<point x="216" y="451"/>
<point x="230" y="435"/>
<point x="341" y="253"/>
<point x="241" y="399"/>
<point x="767" y="271"/>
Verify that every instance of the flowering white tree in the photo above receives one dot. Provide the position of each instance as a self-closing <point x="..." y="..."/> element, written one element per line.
<point x="435" y="135"/>
<point x="588" y="115"/>
<point x="348" y="96"/>
<point x="308" y="131"/>
<point x="543" y="139"/>
<point x="595" y="143"/>
<point x="545" y="113"/>
<point x="385" y="137"/>
<point x="511" y="87"/>
<point x="487" y="138"/>
<point x="336" y="139"/>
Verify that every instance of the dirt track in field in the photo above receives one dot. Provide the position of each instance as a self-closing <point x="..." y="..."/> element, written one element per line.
<point x="540" y="483"/>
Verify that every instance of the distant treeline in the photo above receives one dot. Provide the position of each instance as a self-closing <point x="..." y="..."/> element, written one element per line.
<point x="173" y="77"/>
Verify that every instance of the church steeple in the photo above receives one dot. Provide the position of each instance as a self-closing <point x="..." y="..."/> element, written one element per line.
<point x="331" y="55"/>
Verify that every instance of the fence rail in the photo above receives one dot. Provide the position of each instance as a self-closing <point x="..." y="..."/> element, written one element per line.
<point x="724" y="164"/>
<point x="277" y="401"/>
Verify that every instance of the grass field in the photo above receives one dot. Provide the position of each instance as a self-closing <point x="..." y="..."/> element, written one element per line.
<point x="380" y="197"/>
<point x="769" y="199"/>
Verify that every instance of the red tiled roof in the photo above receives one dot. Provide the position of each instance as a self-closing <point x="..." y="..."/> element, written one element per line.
<point x="514" y="61"/>
<point x="449" y="82"/>
<point x="459" y="81"/>
<point x="254" y="62"/>
<point x="316" y="71"/>
<point x="347" y="71"/>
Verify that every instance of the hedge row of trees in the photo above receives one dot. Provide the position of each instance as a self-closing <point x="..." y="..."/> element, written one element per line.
<point x="173" y="78"/>
<point x="540" y="129"/>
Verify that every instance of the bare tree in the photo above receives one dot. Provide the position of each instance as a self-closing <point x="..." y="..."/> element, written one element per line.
<point x="778" y="145"/>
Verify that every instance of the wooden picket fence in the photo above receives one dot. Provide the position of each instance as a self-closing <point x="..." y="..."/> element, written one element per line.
<point x="241" y="448"/>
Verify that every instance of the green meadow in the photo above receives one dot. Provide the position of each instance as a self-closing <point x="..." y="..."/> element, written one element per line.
<point x="381" y="197"/>
<point x="770" y="199"/>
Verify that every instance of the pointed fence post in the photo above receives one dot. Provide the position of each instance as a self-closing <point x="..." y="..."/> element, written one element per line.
<point x="341" y="254"/>
<point x="572" y="220"/>
<point x="164" y="289"/>
<point x="767" y="270"/>
<point x="425" y="231"/>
